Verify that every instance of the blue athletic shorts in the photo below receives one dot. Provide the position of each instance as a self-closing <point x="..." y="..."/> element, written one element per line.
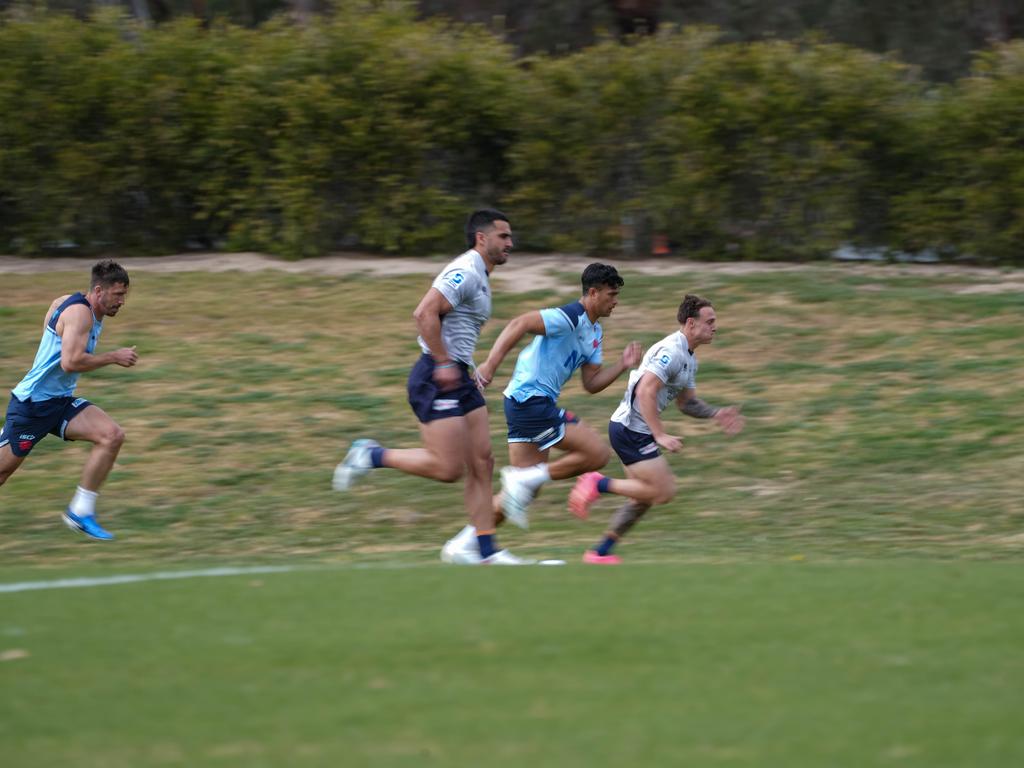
<point x="429" y="403"/>
<point x="28" y="422"/>
<point x="631" y="446"/>
<point x="537" y="420"/>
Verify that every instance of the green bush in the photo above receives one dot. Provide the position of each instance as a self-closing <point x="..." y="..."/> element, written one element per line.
<point x="370" y="129"/>
<point x="365" y="129"/>
<point x="970" y="197"/>
<point x="766" y="150"/>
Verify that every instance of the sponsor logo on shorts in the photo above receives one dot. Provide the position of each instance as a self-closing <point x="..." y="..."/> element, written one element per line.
<point x="25" y="445"/>
<point x="77" y="402"/>
<point x="649" y="448"/>
<point x="26" y="437"/>
<point x="445" y="405"/>
<point x="544" y="435"/>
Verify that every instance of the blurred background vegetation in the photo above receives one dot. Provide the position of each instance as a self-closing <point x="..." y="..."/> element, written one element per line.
<point x="754" y="130"/>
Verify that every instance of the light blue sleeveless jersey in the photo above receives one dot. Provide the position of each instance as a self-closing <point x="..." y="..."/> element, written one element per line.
<point x="47" y="379"/>
<point x="570" y="340"/>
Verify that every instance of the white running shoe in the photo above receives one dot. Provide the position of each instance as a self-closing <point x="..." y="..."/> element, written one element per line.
<point x="504" y="557"/>
<point x="515" y="497"/>
<point x="460" y="553"/>
<point x="355" y="464"/>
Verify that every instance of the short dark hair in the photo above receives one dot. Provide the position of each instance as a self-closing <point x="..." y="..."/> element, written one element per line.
<point x="106" y="273"/>
<point x="482" y="220"/>
<point x="691" y="307"/>
<point x="596" y="275"/>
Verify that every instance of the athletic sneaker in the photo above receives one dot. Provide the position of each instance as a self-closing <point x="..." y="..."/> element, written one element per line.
<point x="591" y="557"/>
<point x="583" y="494"/>
<point x="86" y="524"/>
<point x="504" y="557"/>
<point x="355" y="464"/>
<point x="515" y="497"/>
<point x="457" y="553"/>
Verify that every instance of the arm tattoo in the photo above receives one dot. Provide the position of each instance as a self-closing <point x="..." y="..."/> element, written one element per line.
<point x="698" y="408"/>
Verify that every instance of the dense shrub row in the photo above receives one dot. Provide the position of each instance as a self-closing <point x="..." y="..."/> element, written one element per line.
<point x="377" y="131"/>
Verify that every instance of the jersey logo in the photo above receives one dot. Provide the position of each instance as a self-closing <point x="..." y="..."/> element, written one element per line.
<point x="455" y="278"/>
<point x="661" y="356"/>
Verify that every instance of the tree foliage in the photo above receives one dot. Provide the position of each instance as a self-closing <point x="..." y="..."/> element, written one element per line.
<point x="370" y="128"/>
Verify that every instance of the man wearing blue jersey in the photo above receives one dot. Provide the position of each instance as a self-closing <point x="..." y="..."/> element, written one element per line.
<point x="44" y="403"/>
<point x="565" y="339"/>
<point x="444" y="396"/>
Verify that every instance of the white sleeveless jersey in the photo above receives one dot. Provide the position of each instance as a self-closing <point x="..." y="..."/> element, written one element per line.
<point x="465" y="285"/>
<point x="671" y="361"/>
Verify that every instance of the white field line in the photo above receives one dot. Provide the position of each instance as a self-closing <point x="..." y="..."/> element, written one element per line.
<point x="129" y="578"/>
<point x="203" y="573"/>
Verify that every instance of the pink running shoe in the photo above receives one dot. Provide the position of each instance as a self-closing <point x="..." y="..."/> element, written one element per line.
<point x="583" y="494"/>
<point x="591" y="557"/>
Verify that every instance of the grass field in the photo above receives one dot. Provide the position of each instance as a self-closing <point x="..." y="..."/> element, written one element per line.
<point x="839" y="585"/>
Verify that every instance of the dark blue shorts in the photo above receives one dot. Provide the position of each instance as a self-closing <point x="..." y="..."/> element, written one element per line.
<point x="28" y="422"/>
<point x="429" y="403"/>
<point x="632" y="446"/>
<point x="537" y="420"/>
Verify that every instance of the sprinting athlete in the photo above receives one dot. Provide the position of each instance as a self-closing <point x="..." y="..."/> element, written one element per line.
<point x="44" y="403"/>
<point x="637" y="434"/>
<point x="443" y="395"/>
<point x="566" y="339"/>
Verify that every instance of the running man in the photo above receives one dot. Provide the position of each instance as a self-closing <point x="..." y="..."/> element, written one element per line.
<point x="637" y="433"/>
<point x="566" y="338"/>
<point x="445" y="398"/>
<point x="44" y="403"/>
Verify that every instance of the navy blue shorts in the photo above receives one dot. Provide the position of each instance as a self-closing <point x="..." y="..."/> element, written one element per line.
<point x="630" y="445"/>
<point x="537" y="420"/>
<point x="28" y="423"/>
<point x="429" y="403"/>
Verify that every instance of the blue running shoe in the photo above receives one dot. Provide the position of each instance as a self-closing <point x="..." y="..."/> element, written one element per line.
<point x="86" y="524"/>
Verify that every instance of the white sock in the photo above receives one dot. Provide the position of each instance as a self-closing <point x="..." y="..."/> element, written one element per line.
<point x="534" y="477"/>
<point x="83" y="504"/>
<point x="465" y="536"/>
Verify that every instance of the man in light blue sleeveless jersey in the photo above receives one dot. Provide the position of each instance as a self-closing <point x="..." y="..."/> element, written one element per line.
<point x="442" y="392"/>
<point x="44" y="402"/>
<point x="565" y="339"/>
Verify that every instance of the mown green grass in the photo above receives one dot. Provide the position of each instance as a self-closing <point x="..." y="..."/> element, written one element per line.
<point x="884" y="420"/>
<point x="837" y="586"/>
<point x="913" y="663"/>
